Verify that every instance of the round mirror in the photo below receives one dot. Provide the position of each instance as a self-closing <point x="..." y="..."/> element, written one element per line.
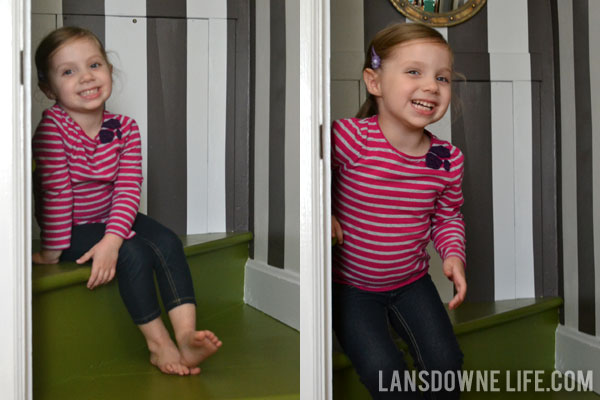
<point x="438" y="12"/>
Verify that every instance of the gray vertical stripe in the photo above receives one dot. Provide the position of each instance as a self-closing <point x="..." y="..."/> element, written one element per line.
<point x="379" y="14"/>
<point x="239" y="111"/>
<point x="94" y="23"/>
<point x="167" y="160"/>
<point x="545" y="138"/>
<point x="471" y="132"/>
<point x="83" y="7"/>
<point x="585" y="231"/>
<point x="277" y="136"/>
<point x="230" y="145"/>
<point x="163" y="8"/>
<point x="558" y="132"/>
<point x="251" y="122"/>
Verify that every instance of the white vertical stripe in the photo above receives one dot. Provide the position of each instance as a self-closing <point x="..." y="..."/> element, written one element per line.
<point x="197" y="125"/>
<point x="130" y="86"/>
<point x="261" y="130"/>
<point x="512" y="169"/>
<point x="594" y="14"/>
<point x="507" y="26"/>
<point x="292" y="137"/>
<point x="206" y="8"/>
<point x="122" y="8"/>
<point x="503" y="190"/>
<point x="217" y="115"/>
<point x="568" y="162"/>
<point x="523" y="171"/>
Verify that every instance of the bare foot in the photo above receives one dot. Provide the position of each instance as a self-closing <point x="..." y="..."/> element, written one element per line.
<point x="166" y="357"/>
<point x="197" y="346"/>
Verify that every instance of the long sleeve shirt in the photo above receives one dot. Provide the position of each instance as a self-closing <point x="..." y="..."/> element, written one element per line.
<point x="391" y="204"/>
<point x="79" y="180"/>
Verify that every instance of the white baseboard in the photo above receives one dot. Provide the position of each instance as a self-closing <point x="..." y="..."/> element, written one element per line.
<point x="274" y="291"/>
<point x="576" y="351"/>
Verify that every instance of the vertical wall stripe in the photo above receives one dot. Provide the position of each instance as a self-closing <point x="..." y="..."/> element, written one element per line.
<point x="587" y="322"/>
<point x="512" y="179"/>
<point x="197" y="125"/>
<point x="252" y="125"/>
<point x="292" y="137"/>
<point x="83" y="7"/>
<point x="94" y="23"/>
<point x="230" y="125"/>
<point x="473" y="137"/>
<point x="206" y="8"/>
<point x="217" y="113"/>
<point x="378" y="14"/>
<point x="558" y="137"/>
<point x="568" y="162"/>
<point x="261" y="130"/>
<point x="277" y="133"/>
<point x="594" y="13"/>
<point x="130" y="96"/>
<point x="546" y="123"/>
<point x="167" y="175"/>
<point x="164" y="9"/>
<point x="135" y="8"/>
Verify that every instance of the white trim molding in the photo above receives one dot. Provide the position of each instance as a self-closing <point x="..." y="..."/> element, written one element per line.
<point x="274" y="291"/>
<point x="576" y="351"/>
<point x="15" y="202"/>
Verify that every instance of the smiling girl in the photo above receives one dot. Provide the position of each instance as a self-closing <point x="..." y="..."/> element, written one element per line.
<point x="87" y="181"/>
<point x="396" y="187"/>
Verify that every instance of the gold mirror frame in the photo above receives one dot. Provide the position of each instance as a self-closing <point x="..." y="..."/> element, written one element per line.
<point x="461" y="14"/>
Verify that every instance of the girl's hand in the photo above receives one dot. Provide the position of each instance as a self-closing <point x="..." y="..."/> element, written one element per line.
<point x="104" y="255"/>
<point x="336" y="230"/>
<point x="454" y="269"/>
<point x="46" y="257"/>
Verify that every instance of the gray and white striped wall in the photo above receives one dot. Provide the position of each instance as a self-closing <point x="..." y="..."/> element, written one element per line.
<point x="578" y="336"/>
<point x="183" y="72"/>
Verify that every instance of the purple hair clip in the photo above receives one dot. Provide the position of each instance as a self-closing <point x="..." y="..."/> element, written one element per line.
<point x="375" y="60"/>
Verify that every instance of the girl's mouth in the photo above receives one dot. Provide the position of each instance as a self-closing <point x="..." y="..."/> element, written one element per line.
<point x="89" y="92"/>
<point x="423" y="105"/>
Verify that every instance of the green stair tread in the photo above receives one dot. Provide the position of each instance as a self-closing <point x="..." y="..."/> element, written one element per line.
<point x="260" y="358"/>
<point x="474" y="316"/>
<point x="55" y="276"/>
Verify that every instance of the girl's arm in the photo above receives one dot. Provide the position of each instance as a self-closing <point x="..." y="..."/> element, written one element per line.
<point x="128" y="184"/>
<point x="52" y="189"/>
<point x="104" y="257"/>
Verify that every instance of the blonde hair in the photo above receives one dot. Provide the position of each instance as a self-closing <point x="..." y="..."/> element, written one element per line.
<point x="383" y="45"/>
<point x="54" y="40"/>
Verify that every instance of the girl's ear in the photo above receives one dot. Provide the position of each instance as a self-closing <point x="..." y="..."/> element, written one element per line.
<point x="44" y="87"/>
<point x="371" y="78"/>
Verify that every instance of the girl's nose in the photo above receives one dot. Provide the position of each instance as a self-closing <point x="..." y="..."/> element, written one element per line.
<point x="86" y="76"/>
<point x="431" y="85"/>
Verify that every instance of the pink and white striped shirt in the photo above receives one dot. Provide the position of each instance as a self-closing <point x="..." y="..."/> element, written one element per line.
<point x="391" y="204"/>
<point x="78" y="180"/>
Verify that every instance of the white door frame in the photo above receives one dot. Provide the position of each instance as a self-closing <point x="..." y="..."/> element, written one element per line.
<point x="315" y="221"/>
<point x="15" y="202"/>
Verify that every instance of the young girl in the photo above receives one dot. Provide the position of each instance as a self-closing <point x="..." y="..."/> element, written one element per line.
<point x="87" y="188"/>
<point x="397" y="186"/>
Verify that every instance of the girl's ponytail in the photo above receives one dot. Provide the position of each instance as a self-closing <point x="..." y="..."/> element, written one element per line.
<point x="368" y="108"/>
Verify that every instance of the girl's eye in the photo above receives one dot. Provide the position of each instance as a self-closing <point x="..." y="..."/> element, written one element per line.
<point x="443" y="79"/>
<point x="68" y="72"/>
<point x="412" y="72"/>
<point x="95" y="65"/>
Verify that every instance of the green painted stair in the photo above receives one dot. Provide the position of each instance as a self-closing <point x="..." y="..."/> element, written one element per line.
<point x="503" y="335"/>
<point x="86" y="347"/>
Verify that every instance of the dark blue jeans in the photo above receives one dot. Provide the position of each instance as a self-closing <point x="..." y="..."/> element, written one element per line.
<point x="361" y="321"/>
<point x="154" y="249"/>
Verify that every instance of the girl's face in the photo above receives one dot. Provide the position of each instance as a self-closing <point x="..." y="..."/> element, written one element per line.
<point x="412" y="86"/>
<point x="79" y="77"/>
